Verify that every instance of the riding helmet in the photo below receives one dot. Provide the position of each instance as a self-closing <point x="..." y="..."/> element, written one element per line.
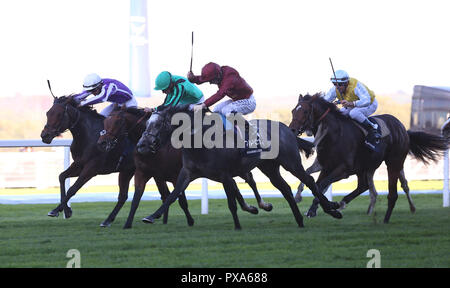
<point x="341" y="77"/>
<point x="163" y="80"/>
<point x="91" y="82"/>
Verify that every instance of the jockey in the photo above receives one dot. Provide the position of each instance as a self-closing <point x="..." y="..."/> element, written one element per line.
<point x="105" y="90"/>
<point x="358" y="103"/>
<point x="178" y="91"/>
<point x="230" y="84"/>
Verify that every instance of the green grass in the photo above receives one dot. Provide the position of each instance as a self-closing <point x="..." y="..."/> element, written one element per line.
<point x="29" y="238"/>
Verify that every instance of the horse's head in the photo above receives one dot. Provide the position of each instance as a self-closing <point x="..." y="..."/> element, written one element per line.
<point x="115" y="127"/>
<point x="119" y="123"/>
<point x="158" y="130"/>
<point x="60" y="117"/>
<point x="301" y="116"/>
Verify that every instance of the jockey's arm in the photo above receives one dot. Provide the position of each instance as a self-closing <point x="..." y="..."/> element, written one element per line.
<point x="81" y="96"/>
<point x="102" y="97"/>
<point x="363" y="95"/>
<point x="331" y="95"/>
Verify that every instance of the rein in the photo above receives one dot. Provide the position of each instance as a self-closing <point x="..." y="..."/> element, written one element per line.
<point x="323" y="115"/>
<point x="65" y="112"/>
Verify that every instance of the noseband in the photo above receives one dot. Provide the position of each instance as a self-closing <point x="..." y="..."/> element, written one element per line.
<point x="60" y="129"/>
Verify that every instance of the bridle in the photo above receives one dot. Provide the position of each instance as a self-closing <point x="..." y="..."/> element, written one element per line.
<point x="59" y="130"/>
<point x="310" y="123"/>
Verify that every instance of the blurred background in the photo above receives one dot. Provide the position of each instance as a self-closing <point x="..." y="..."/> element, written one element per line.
<point x="399" y="49"/>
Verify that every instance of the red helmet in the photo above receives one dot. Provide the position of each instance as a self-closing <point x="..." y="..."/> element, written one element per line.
<point x="211" y="71"/>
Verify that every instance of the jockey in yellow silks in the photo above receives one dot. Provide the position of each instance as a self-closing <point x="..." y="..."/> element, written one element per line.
<point x="358" y="103"/>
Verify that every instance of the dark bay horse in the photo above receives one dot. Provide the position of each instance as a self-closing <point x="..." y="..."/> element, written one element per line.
<point x="341" y="153"/>
<point x="164" y="165"/>
<point x="223" y="163"/>
<point x="85" y="125"/>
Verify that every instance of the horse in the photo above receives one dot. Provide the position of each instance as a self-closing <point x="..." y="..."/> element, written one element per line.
<point x="221" y="163"/>
<point x="163" y="166"/>
<point x="85" y="125"/>
<point x="341" y="153"/>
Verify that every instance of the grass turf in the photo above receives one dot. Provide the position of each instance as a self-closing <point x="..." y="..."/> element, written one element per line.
<point x="29" y="238"/>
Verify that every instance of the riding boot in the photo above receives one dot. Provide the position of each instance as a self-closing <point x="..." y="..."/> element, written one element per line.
<point x="373" y="137"/>
<point x="251" y="136"/>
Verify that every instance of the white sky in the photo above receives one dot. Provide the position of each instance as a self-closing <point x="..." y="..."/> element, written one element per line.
<point x="280" y="47"/>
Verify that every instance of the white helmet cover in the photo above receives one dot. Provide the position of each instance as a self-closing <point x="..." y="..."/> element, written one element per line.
<point x="341" y="77"/>
<point x="91" y="82"/>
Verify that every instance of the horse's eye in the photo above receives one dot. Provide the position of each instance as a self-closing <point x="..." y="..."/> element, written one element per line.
<point x="103" y="132"/>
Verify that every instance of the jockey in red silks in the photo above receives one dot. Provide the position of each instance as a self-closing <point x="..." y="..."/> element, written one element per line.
<point x="230" y="84"/>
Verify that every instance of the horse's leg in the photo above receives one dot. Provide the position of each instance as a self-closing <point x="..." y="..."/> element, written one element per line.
<point x="124" y="184"/>
<point x="323" y="182"/>
<point x="140" y="180"/>
<point x="183" y="180"/>
<point x="372" y="192"/>
<point x="164" y="191"/>
<point x="244" y="206"/>
<point x="251" y="182"/>
<point x="363" y="185"/>
<point x="405" y="187"/>
<point x="315" y="167"/>
<point x="231" y="189"/>
<point x="73" y="171"/>
<point x="86" y="174"/>
<point x="273" y="173"/>
<point x="182" y="201"/>
<point x="393" y="175"/>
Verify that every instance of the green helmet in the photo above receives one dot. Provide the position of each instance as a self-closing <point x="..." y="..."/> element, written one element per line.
<point x="163" y="80"/>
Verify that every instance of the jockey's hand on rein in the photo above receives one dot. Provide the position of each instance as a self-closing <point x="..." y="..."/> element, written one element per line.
<point x="347" y="104"/>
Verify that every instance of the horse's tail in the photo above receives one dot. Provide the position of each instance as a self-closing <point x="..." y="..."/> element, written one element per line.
<point x="424" y="146"/>
<point x="305" y="146"/>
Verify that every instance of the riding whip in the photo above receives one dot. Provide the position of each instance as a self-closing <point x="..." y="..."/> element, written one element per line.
<point x="192" y="50"/>
<point x="50" y="87"/>
<point x="332" y="68"/>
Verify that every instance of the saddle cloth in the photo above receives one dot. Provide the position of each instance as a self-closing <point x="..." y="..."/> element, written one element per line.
<point x="382" y="128"/>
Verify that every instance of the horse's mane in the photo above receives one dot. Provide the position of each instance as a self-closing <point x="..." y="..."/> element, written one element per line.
<point x="171" y="110"/>
<point x="138" y="112"/>
<point x="71" y="101"/>
<point x="318" y="99"/>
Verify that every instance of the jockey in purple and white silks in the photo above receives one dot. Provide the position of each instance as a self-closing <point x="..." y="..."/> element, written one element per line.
<point x="103" y="90"/>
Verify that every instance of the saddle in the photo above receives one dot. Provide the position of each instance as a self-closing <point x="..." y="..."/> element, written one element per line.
<point x="251" y="148"/>
<point x="383" y="130"/>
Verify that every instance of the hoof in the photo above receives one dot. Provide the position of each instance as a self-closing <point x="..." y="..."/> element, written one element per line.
<point x="127" y="226"/>
<point x="334" y="213"/>
<point x="298" y="198"/>
<point x="190" y="222"/>
<point x="252" y="210"/>
<point x="53" y="213"/>
<point x="68" y="213"/>
<point x="267" y="207"/>
<point x="105" y="224"/>
<point x="311" y="213"/>
<point x="148" y="220"/>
